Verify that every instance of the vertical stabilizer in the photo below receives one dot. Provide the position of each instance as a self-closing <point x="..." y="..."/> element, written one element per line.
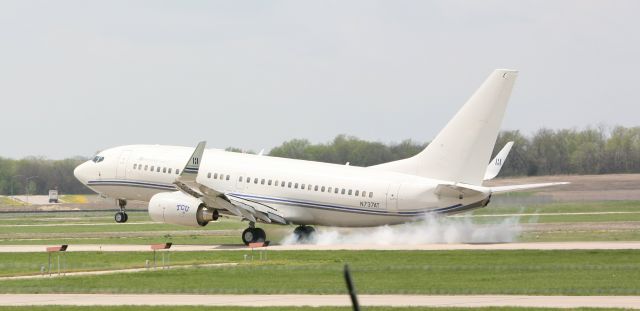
<point x="462" y="149"/>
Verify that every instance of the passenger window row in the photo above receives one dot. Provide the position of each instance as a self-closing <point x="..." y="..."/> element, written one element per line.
<point x="302" y="186"/>
<point x="154" y="168"/>
<point x="219" y="176"/>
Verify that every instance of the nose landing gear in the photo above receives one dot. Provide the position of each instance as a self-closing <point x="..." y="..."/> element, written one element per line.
<point x="121" y="216"/>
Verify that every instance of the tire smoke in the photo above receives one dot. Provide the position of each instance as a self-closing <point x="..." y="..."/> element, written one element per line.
<point x="428" y="230"/>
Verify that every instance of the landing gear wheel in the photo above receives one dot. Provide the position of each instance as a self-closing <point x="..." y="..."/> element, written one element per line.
<point x="253" y="235"/>
<point x="304" y="234"/>
<point x="121" y="217"/>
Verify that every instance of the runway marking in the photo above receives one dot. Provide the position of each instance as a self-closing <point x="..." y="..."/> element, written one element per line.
<point x="543" y="214"/>
<point x="420" y="247"/>
<point x="631" y="302"/>
<point x="55" y="274"/>
<point x="85" y="224"/>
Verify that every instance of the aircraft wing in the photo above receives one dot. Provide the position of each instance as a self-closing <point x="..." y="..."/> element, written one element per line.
<point x="493" y="169"/>
<point x="234" y="204"/>
<point x="502" y="189"/>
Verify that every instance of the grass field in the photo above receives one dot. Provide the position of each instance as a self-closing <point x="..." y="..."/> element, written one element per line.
<point x="317" y="272"/>
<point x="7" y="201"/>
<point x="203" y="308"/>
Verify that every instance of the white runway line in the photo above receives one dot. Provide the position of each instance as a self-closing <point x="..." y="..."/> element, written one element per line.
<point x="84" y="224"/>
<point x="543" y="214"/>
<point x="103" y="272"/>
<point x="398" y="247"/>
<point x="632" y="302"/>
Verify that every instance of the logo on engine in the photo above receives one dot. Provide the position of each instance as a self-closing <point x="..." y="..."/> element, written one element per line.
<point x="182" y="209"/>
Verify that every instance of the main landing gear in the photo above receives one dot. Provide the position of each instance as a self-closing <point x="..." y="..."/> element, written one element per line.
<point x="121" y="216"/>
<point x="304" y="234"/>
<point x="253" y="234"/>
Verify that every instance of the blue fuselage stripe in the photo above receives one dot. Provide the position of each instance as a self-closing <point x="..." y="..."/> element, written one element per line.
<point x="317" y="205"/>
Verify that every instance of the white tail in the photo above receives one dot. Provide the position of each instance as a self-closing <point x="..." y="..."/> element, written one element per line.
<point x="462" y="149"/>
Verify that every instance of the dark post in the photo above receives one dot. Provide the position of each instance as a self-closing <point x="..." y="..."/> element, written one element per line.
<point x="351" y="288"/>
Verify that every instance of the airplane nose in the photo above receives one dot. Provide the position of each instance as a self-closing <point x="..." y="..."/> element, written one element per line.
<point x="80" y="173"/>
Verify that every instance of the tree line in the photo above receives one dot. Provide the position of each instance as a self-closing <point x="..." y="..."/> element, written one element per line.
<point x="547" y="152"/>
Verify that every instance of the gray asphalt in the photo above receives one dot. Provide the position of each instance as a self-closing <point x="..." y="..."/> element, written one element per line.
<point x="631" y="302"/>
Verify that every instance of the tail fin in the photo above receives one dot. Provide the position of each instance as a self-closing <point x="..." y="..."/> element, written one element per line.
<point x="462" y="149"/>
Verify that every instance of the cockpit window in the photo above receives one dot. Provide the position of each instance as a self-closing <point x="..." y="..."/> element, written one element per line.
<point x="97" y="159"/>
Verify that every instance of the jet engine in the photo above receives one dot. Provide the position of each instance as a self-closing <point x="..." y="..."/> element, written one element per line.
<point x="178" y="208"/>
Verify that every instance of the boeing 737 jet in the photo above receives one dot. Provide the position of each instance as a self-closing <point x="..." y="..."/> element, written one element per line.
<point x="195" y="186"/>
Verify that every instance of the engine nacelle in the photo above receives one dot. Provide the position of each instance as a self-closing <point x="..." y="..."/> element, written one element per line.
<point x="177" y="208"/>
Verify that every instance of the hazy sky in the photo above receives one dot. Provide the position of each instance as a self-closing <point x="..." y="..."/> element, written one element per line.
<point x="80" y="76"/>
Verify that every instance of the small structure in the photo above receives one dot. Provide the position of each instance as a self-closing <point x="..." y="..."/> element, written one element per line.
<point x="161" y="246"/>
<point x="53" y="196"/>
<point x="58" y="250"/>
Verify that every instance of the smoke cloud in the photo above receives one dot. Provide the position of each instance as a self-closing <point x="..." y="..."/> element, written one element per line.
<point x="429" y="230"/>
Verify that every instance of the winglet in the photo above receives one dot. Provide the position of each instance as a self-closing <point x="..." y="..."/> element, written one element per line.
<point x="193" y="165"/>
<point x="493" y="169"/>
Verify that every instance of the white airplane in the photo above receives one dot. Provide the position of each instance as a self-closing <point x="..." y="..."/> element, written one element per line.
<point x="194" y="187"/>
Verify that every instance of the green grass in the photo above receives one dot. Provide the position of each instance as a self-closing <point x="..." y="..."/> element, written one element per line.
<point x="161" y="238"/>
<point x="320" y="272"/>
<point x="9" y="201"/>
<point x="74" y="198"/>
<point x="207" y="308"/>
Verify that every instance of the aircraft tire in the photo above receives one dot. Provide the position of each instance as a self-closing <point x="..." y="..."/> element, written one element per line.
<point x="120" y="217"/>
<point x="253" y="235"/>
<point x="303" y="233"/>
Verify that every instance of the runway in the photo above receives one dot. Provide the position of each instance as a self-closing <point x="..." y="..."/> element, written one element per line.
<point x="631" y="302"/>
<point x="397" y="247"/>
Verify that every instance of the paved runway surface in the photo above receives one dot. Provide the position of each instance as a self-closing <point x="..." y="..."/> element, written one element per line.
<point x="191" y="248"/>
<point x="321" y="300"/>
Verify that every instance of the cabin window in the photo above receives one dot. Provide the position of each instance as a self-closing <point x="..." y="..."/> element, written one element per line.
<point x="302" y="186"/>
<point x="371" y="194"/>
<point x="170" y="170"/>
<point x="295" y="186"/>
<point x="209" y="175"/>
<point x="269" y="182"/>
<point x="364" y="194"/>
<point x="262" y="182"/>
<point x="322" y="189"/>
<point x="221" y="176"/>
<point x="357" y="192"/>
<point x="152" y="168"/>
<point x="177" y="172"/>
<point x="350" y="191"/>
<point x="248" y="179"/>
<point x="342" y="191"/>
<point x="158" y="169"/>
<point x="289" y="185"/>
<point x="215" y="176"/>
<point x="283" y="184"/>
<point x="228" y="177"/>
<point x="255" y="180"/>
<point x="164" y="169"/>
<point x="315" y="188"/>
<point x="309" y="187"/>
<point x="135" y="166"/>
<point x="329" y="189"/>
<point x="240" y="179"/>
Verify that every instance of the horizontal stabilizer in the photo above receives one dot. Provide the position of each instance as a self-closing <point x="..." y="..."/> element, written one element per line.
<point x="503" y="189"/>
<point x="493" y="169"/>
<point x="457" y="190"/>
